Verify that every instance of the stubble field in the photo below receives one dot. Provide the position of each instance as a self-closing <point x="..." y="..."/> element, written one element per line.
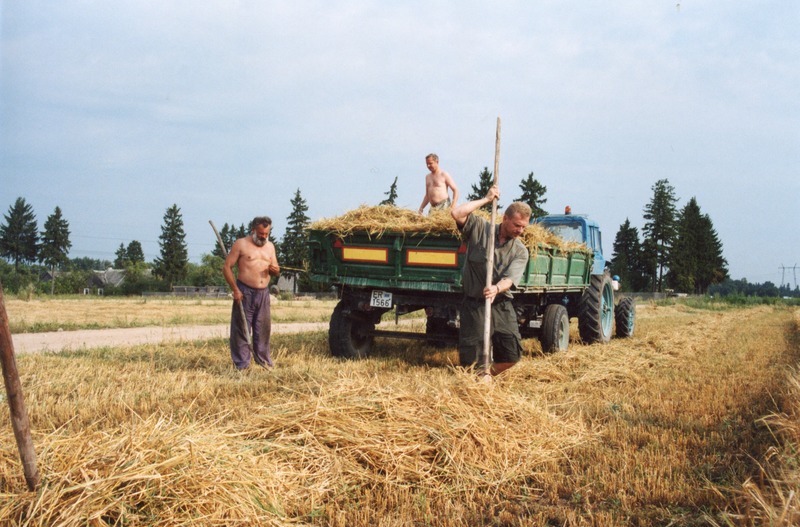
<point x="72" y="313"/>
<point x="693" y="421"/>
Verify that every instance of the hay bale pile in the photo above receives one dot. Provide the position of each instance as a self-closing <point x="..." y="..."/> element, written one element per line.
<point x="379" y="220"/>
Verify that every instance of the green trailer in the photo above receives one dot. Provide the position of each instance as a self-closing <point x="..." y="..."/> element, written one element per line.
<point x="409" y="271"/>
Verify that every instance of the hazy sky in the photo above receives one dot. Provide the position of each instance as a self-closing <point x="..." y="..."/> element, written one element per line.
<point x="116" y="110"/>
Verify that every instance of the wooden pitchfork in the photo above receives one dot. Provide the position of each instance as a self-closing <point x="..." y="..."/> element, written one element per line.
<point x="487" y="321"/>
<point x="245" y="326"/>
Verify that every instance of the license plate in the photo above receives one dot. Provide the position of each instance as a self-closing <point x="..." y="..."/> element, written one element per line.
<point x="381" y="299"/>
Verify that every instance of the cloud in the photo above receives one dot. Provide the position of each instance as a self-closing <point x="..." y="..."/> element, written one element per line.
<point x="226" y="108"/>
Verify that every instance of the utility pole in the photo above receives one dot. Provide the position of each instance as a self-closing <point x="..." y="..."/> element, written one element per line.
<point x="783" y="269"/>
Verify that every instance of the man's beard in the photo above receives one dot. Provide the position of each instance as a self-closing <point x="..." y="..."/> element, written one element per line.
<point x="258" y="241"/>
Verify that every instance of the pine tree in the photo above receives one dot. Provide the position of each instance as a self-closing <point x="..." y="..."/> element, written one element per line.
<point x="19" y="236"/>
<point x="241" y="232"/>
<point x="683" y="258"/>
<point x="172" y="266"/>
<point x="294" y="247"/>
<point x="696" y="260"/>
<point x="659" y="231"/>
<point x="228" y="233"/>
<point x="120" y="257"/>
<point x="479" y="190"/>
<point x="712" y="266"/>
<point x="392" y="194"/>
<point x="55" y="244"/>
<point x="533" y="195"/>
<point x="134" y="253"/>
<point x="626" y="259"/>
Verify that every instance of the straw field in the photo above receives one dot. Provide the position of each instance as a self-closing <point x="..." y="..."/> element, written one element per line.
<point x="70" y="313"/>
<point x="693" y="421"/>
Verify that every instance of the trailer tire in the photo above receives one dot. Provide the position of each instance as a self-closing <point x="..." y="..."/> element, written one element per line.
<point x="349" y="333"/>
<point x="625" y="317"/>
<point x="439" y="333"/>
<point x="554" y="335"/>
<point x="596" y="310"/>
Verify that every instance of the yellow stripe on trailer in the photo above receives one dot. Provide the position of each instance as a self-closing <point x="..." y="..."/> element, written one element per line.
<point x="363" y="254"/>
<point x="432" y="258"/>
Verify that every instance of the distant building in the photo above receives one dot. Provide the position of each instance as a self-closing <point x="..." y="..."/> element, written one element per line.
<point x="98" y="280"/>
<point x="286" y="284"/>
<point x="109" y="277"/>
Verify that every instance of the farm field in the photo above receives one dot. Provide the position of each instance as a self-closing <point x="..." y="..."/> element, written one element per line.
<point x="693" y="421"/>
<point x="72" y="313"/>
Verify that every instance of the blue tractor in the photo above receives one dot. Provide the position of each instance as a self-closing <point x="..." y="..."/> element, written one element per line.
<point x="594" y="307"/>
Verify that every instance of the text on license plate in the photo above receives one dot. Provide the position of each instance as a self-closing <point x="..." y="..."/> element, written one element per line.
<point x="381" y="299"/>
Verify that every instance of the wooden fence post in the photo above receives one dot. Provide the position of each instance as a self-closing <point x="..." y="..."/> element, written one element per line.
<point x="16" y="402"/>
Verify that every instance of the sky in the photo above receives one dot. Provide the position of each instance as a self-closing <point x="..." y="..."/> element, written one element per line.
<point x="115" y="111"/>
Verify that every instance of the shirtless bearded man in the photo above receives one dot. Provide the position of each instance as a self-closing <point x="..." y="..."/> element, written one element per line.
<point x="255" y="257"/>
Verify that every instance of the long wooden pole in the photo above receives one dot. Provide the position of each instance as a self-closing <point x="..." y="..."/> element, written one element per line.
<point x="245" y="325"/>
<point x="16" y="402"/>
<point x="487" y="321"/>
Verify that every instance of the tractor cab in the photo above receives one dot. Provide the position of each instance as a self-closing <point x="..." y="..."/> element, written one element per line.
<point x="577" y="228"/>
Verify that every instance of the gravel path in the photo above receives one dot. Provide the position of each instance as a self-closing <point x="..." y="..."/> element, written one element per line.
<point x="98" y="338"/>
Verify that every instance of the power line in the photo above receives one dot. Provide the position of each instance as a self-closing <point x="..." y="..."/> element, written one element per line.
<point x="783" y="269"/>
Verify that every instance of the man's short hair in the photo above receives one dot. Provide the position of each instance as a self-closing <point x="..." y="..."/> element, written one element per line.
<point x="432" y="156"/>
<point x="260" y="221"/>
<point x="518" y="207"/>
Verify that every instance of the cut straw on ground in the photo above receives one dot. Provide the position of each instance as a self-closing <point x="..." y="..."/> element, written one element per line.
<point x="693" y="421"/>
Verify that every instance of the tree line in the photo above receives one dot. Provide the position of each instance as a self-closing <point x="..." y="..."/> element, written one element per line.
<point x="679" y="249"/>
<point x="676" y="249"/>
<point x="39" y="261"/>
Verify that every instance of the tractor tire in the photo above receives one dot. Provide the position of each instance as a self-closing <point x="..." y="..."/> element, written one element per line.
<point x="349" y="333"/>
<point x="554" y="334"/>
<point x="625" y="317"/>
<point x="596" y="310"/>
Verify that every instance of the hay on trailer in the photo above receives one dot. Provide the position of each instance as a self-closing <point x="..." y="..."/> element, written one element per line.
<point x="379" y="220"/>
<point x="376" y="221"/>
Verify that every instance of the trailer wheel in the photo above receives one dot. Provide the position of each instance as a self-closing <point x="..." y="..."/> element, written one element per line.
<point x="596" y="310"/>
<point x="439" y="333"/>
<point x="625" y="315"/>
<point x="554" y="334"/>
<point x="348" y="335"/>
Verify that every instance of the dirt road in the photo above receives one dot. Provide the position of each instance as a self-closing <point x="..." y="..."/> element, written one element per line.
<point x="98" y="338"/>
